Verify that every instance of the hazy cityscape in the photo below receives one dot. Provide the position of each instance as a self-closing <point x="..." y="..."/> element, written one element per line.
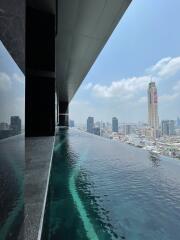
<point x="8" y="130"/>
<point x="157" y="137"/>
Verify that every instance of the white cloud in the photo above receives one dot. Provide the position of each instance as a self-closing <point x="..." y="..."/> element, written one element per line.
<point x="5" y="82"/>
<point x="128" y="88"/>
<point x="166" y="67"/>
<point x="125" y="88"/>
<point x="19" y="78"/>
<point x="159" y="65"/>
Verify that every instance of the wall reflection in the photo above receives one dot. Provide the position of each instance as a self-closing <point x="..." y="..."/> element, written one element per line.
<point x="12" y="96"/>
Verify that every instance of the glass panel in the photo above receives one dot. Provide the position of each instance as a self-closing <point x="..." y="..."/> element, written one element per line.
<point x="12" y="95"/>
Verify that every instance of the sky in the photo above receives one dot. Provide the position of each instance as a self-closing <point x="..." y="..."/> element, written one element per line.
<point x="12" y="87"/>
<point x="145" y="45"/>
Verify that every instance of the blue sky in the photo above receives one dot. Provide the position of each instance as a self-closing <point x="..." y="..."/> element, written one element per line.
<point x="145" y="44"/>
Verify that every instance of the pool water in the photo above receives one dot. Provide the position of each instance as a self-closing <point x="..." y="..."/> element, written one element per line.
<point x="101" y="189"/>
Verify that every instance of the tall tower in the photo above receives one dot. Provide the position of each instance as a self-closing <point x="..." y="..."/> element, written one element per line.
<point x="90" y="124"/>
<point x="153" y="117"/>
<point x="114" y="124"/>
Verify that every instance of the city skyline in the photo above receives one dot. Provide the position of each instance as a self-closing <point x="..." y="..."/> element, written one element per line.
<point x="117" y="83"/>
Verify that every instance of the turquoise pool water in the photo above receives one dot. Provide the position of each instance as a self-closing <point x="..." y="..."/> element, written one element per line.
<point x="101" y="189"/>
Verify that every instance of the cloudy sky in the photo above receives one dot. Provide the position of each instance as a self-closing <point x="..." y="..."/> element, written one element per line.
<point x="144" y="46"/>
<point x="11" y="87"/>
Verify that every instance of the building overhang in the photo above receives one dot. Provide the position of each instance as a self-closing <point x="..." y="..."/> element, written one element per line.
<point x="83" y="28"/>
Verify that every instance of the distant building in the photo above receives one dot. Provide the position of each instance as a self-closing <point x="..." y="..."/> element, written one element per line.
<point x="98" y="124"/>
<point x="114" y="124"/>
<point x="127" y="129"/>
<point x="71" y="123"/>
<point x="97" y="131"/>
<point x="90" y="125"/>
<point x="4" y="126"/>
<point x="15" y="125"/>
<point x="178" y="122"/>
<point x="153" y="118"/>
<point x="4" y="130"/>
<point x="168" y="127"/>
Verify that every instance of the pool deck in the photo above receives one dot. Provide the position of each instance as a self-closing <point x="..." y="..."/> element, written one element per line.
<point x="38" y="157"/>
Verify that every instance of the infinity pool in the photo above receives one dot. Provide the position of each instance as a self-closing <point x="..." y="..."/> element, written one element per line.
<point x="101" y="189"/>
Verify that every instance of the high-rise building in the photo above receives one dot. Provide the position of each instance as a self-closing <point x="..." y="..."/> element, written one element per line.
<point x="90" y="125"/>
<point x="153" y="118"/>
<point x="114" y="124"/>
<point x="15" y="124"/>
<point x="4" y="130"/>
<point x="168" y="127"/>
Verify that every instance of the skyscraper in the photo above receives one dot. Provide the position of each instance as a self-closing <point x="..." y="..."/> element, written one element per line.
<point x="168" y="127"/>
<point x="15" y="125"/>
<point x="90" y="125"/>
<point x="114" y="124"/>
<point x="153" y="118"/>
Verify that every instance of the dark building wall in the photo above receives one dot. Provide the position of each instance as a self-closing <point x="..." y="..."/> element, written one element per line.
<point x="90" y="125"/>
<point x="114" y="124"/>
<point x="40" y="73"/>
<point x="12" y="29"/>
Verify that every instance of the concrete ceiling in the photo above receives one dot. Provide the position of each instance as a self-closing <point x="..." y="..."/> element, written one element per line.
<point x="84" y="27"/>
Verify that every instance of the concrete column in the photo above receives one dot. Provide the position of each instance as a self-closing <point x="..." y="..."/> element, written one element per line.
<point x="63" y="114"/>
<point x="40" y="73"/>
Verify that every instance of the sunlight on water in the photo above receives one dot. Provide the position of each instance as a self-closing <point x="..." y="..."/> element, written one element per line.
<point x="91" y="234"/>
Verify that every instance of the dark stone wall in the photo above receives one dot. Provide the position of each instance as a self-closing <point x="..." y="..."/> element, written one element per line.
<point x="40" y="73"/>
<point x="12" y="29"/>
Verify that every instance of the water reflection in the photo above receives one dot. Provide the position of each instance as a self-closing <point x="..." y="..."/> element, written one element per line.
<point x="155" y="159"/>
<point x="12" y="94"/>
